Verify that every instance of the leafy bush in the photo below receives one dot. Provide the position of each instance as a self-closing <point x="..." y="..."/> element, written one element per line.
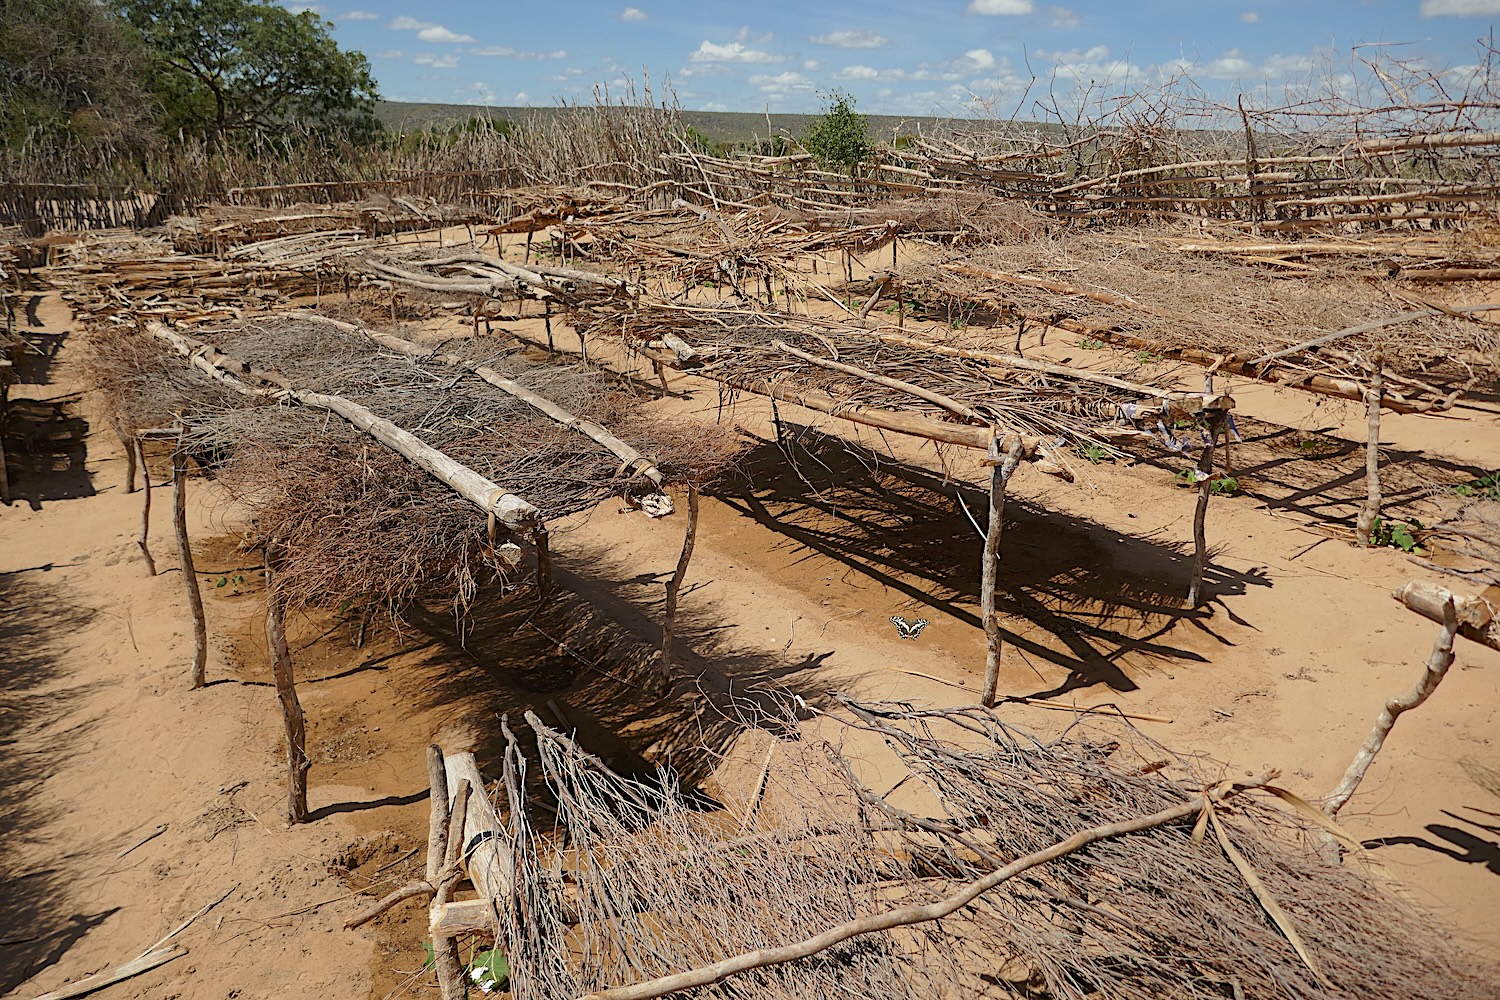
<point x="840" y="136"/>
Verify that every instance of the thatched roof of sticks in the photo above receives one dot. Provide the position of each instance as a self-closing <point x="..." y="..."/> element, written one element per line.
<point x="1161" y="293"/>
<point x="886" y="379"/>
<point x="357" y="523"/>
<point x="1158" y="888"/>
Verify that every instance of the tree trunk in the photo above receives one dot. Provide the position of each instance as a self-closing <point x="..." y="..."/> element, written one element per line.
<point x="674" y="585"/>
<point x="297" y="763"/>
<point x="990" y="565"/>
<point x="1364" y="526"/>
<point x="127" y="446"/>
<point x="140" y="453"/>
<point x="185" y="559"/>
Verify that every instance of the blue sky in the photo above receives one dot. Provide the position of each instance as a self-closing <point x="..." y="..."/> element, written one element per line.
<point x="893" y="58"/>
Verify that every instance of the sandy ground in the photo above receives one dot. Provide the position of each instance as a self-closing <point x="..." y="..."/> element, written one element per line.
<point x="798" y="570"/>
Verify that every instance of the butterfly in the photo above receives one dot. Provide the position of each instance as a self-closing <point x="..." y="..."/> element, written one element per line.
<point x="909" y="631"/>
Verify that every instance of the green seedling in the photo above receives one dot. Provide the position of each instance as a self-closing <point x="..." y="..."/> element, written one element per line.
<point x="1146" y="357"/>
<point x="1486" y="487"/>
<point x="1096" y="453"/>
<point x="233" y="582"/>
<point x="1397" y="534"/>
<point x="1090" y="344"/>
<point x="1225" y="485"/>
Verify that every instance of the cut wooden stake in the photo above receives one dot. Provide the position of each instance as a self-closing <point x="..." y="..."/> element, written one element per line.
<point x="905" y="916"/>
<point x="990" y="565"/>
<point x="126" y="445"/>
<point x="143" y="541"/>
<point x="1437" y="667"/>
<point x="444" y="948"/>
<point x="1364" y="525"/>
<point x="297" y="764"/>
<point x="185" y="560"/>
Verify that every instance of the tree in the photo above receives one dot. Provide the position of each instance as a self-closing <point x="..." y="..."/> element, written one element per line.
<point x="72" y="73"/>
<point x="840" y="135"/>
<point x="241" y="67"/>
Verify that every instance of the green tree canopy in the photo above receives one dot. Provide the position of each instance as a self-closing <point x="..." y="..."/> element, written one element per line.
<point x="840" y="135"/>
<point x="71" y="72"/>
<point x="241" y="67"/>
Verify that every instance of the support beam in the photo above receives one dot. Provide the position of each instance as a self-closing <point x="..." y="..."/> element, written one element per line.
<point x="674" y="585"/>
<point x="1364" y="525"/>
<point x="485" y="846"/>
<point x="491" y="498"/>
<point x="1478" y="617"/>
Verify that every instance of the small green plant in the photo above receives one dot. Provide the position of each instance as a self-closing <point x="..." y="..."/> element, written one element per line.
<point x="1486" y="487"/>
<point x="1226" y="485"/>
<point x="1090" y="344"/>
<point x="487" y="970"/>
<point x="1146" y="357"/>
<point x="1397" y="534"/>
<point x="957" y="323"/>
<point x="233" y="582"/>
<point x="1096" y="453"/>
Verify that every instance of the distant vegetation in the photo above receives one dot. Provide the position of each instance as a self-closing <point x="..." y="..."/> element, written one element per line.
<point x="80" y="77"/>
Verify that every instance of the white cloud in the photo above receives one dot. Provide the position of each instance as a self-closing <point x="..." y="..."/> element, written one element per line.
<point x="851" y="40"/>
<point x="1063" y="18"/>
<point x="428" y="31"/>
<point x="438" y="33"/>
<point x="480" y="93"/>
<point x="811" y="65"/>
<point x="857" y="73"/>
<point x="980" y="58"/>
<point x="1460" y="8"/>
<point x="743" y="35"/>
<point x="734" y="52"/>
<point x="389" y="54"/>
<point x="506" y="52"/>
<point x="1001" y="7"/>
<point x="1093" y="64"/>
<point x="714" y="106"/>
<point x="522" y="98"/>
<point x="1230" y="66"/>
<point x="436" y="62"/>
<point x="359" y="15"/>
<point x="1250" y="17"/>
<point x="781" y="84"/>
<point x="632" y="14"/>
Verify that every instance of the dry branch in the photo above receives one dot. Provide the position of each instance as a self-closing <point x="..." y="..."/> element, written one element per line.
<point x="908" y="915"/>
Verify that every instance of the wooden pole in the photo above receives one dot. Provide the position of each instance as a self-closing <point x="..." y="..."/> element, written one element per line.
<point x="140" y="453"/>
<point x="1437" y="667"/>
<point x="1364" y="525"/>
<point x="4" y="409"/>
<point x="1205" y="470"/>
<point x="185" y="560"/>
<point x="127" y="446"/>
<point x="297" y="764"/>
<point x="674" y="585"/>
<point x="484" y="846"/>
<point x="1000" y="474"/>
<point x="540" y="539"/>
<point x="444" y="948"/>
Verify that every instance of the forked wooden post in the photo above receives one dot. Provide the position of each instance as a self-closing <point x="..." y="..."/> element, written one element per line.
<point x="1205" y="467"/>
<point x="126" y="445"/>
<point x="297" y="763"/>
<point x="1364" y="526"/>
<point x="540" y="539"/>
<point x="185" y="559"/>
<point x="143" y="541"/>
<point x="1000" y="473"/>
<point x="1437" y="667"/>
<point x="674" y="585"/>
<point x="444" y="948"/>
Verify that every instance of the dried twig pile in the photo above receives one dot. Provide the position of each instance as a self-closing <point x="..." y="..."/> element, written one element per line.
<point x="634" y="882"/>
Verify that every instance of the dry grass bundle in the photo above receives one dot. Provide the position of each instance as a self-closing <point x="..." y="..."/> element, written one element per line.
<point x="1208" y="302"/>
<point x="638" y="880"/>
<point x="356" y="526"/>
<point x="144" y="386"/>
<point x="749" y="350"/>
